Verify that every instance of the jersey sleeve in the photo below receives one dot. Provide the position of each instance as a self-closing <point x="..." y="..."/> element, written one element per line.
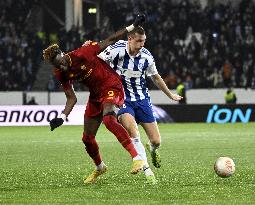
<point x="87" y="52"/>
<point x="66" y="84"/>
<point x="111" y="51"/>
<point x="106" y="55"/>
<point x="151" y="70"/>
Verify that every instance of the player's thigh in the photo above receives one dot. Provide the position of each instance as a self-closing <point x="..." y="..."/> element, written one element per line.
<point x="109" y="108"/>
<point x="91" y="124"/>
<point x="144" y="112"/>
<point x="111" y="100"/>
<point x="152" y="131"/>
<point x="129" y="123"/>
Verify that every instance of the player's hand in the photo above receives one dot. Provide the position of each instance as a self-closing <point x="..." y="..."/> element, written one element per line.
<point x="87" y="43"/>
<point x="140" y="19"/>
<point x="55" y="122"/>
<point x="176" y="97"/>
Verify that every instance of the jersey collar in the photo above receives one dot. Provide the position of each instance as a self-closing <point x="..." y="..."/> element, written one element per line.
<point x="138" y="54"/>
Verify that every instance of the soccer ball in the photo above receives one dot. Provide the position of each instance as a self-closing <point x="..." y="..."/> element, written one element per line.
<point x="224" y="167"/>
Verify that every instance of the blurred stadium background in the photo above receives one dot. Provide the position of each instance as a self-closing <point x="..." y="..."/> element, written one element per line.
<point x="208" y="45"/>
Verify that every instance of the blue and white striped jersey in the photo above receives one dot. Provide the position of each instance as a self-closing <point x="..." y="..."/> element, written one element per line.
<point x="132" y="69"/>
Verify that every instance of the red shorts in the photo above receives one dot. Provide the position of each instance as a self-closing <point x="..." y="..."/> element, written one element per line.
<point x="95" y="105"/>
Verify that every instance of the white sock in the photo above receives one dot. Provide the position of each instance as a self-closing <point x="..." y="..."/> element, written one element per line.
<point x="100" y="166"/>
<point x="138" y="157"/>
<point x="141" y="152"/>
<point x="147" y="171"/>
<point x="140" y="148"/>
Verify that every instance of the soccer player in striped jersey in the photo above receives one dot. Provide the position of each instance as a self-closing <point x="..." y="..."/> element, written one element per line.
<point x="133" y="62"/>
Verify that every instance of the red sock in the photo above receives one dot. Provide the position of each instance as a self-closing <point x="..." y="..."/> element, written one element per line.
<point x="119" y="131"/>
<point x="92" y="148"/>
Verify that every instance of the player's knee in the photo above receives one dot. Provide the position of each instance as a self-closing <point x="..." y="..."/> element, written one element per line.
<point x="84" y="138"/>
<point x="87" y="139"/>
<point x="91" y="145"/>
<point x="133" y="132"/>
<point x="109" y="120"/>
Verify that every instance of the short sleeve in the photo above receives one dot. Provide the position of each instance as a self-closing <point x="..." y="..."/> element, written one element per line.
<point x="106" y="55"/>
<point x="151" y="70"/>
<point x="87" y="52"/>
<point x="112" y="51"/>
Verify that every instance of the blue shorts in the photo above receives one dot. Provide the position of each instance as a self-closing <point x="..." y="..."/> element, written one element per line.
<point x="141" y="110"/>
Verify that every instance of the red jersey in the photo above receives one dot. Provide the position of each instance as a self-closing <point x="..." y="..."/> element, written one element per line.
<point x="90" y="70"/>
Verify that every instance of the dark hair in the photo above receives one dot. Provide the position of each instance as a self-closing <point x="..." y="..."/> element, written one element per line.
<point x="138" y="30"/>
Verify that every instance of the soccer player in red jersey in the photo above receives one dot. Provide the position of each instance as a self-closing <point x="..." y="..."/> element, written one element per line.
<point x="106" y="95"/>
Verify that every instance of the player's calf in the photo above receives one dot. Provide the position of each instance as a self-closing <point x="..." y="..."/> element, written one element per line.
<point x="121" y="134"/>
<point x="92" y="148"/>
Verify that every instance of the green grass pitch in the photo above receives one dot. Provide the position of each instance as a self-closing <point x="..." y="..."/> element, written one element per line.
<point x="42" y="167"/>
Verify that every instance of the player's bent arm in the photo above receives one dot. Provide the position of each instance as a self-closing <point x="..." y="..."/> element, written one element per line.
<point x="113" y="38"/>
<point x="71" y="100"/>
<point x="121" y="34"/>
<point x="159" y="82"/>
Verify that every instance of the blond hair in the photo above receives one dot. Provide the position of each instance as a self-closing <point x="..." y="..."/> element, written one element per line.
<point x="50" y="52"/>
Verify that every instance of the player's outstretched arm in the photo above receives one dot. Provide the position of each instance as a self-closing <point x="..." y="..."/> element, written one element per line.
<point x="70" y="102"/>
<point x="121" y="34"/>
<point x="159" y="82"/>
